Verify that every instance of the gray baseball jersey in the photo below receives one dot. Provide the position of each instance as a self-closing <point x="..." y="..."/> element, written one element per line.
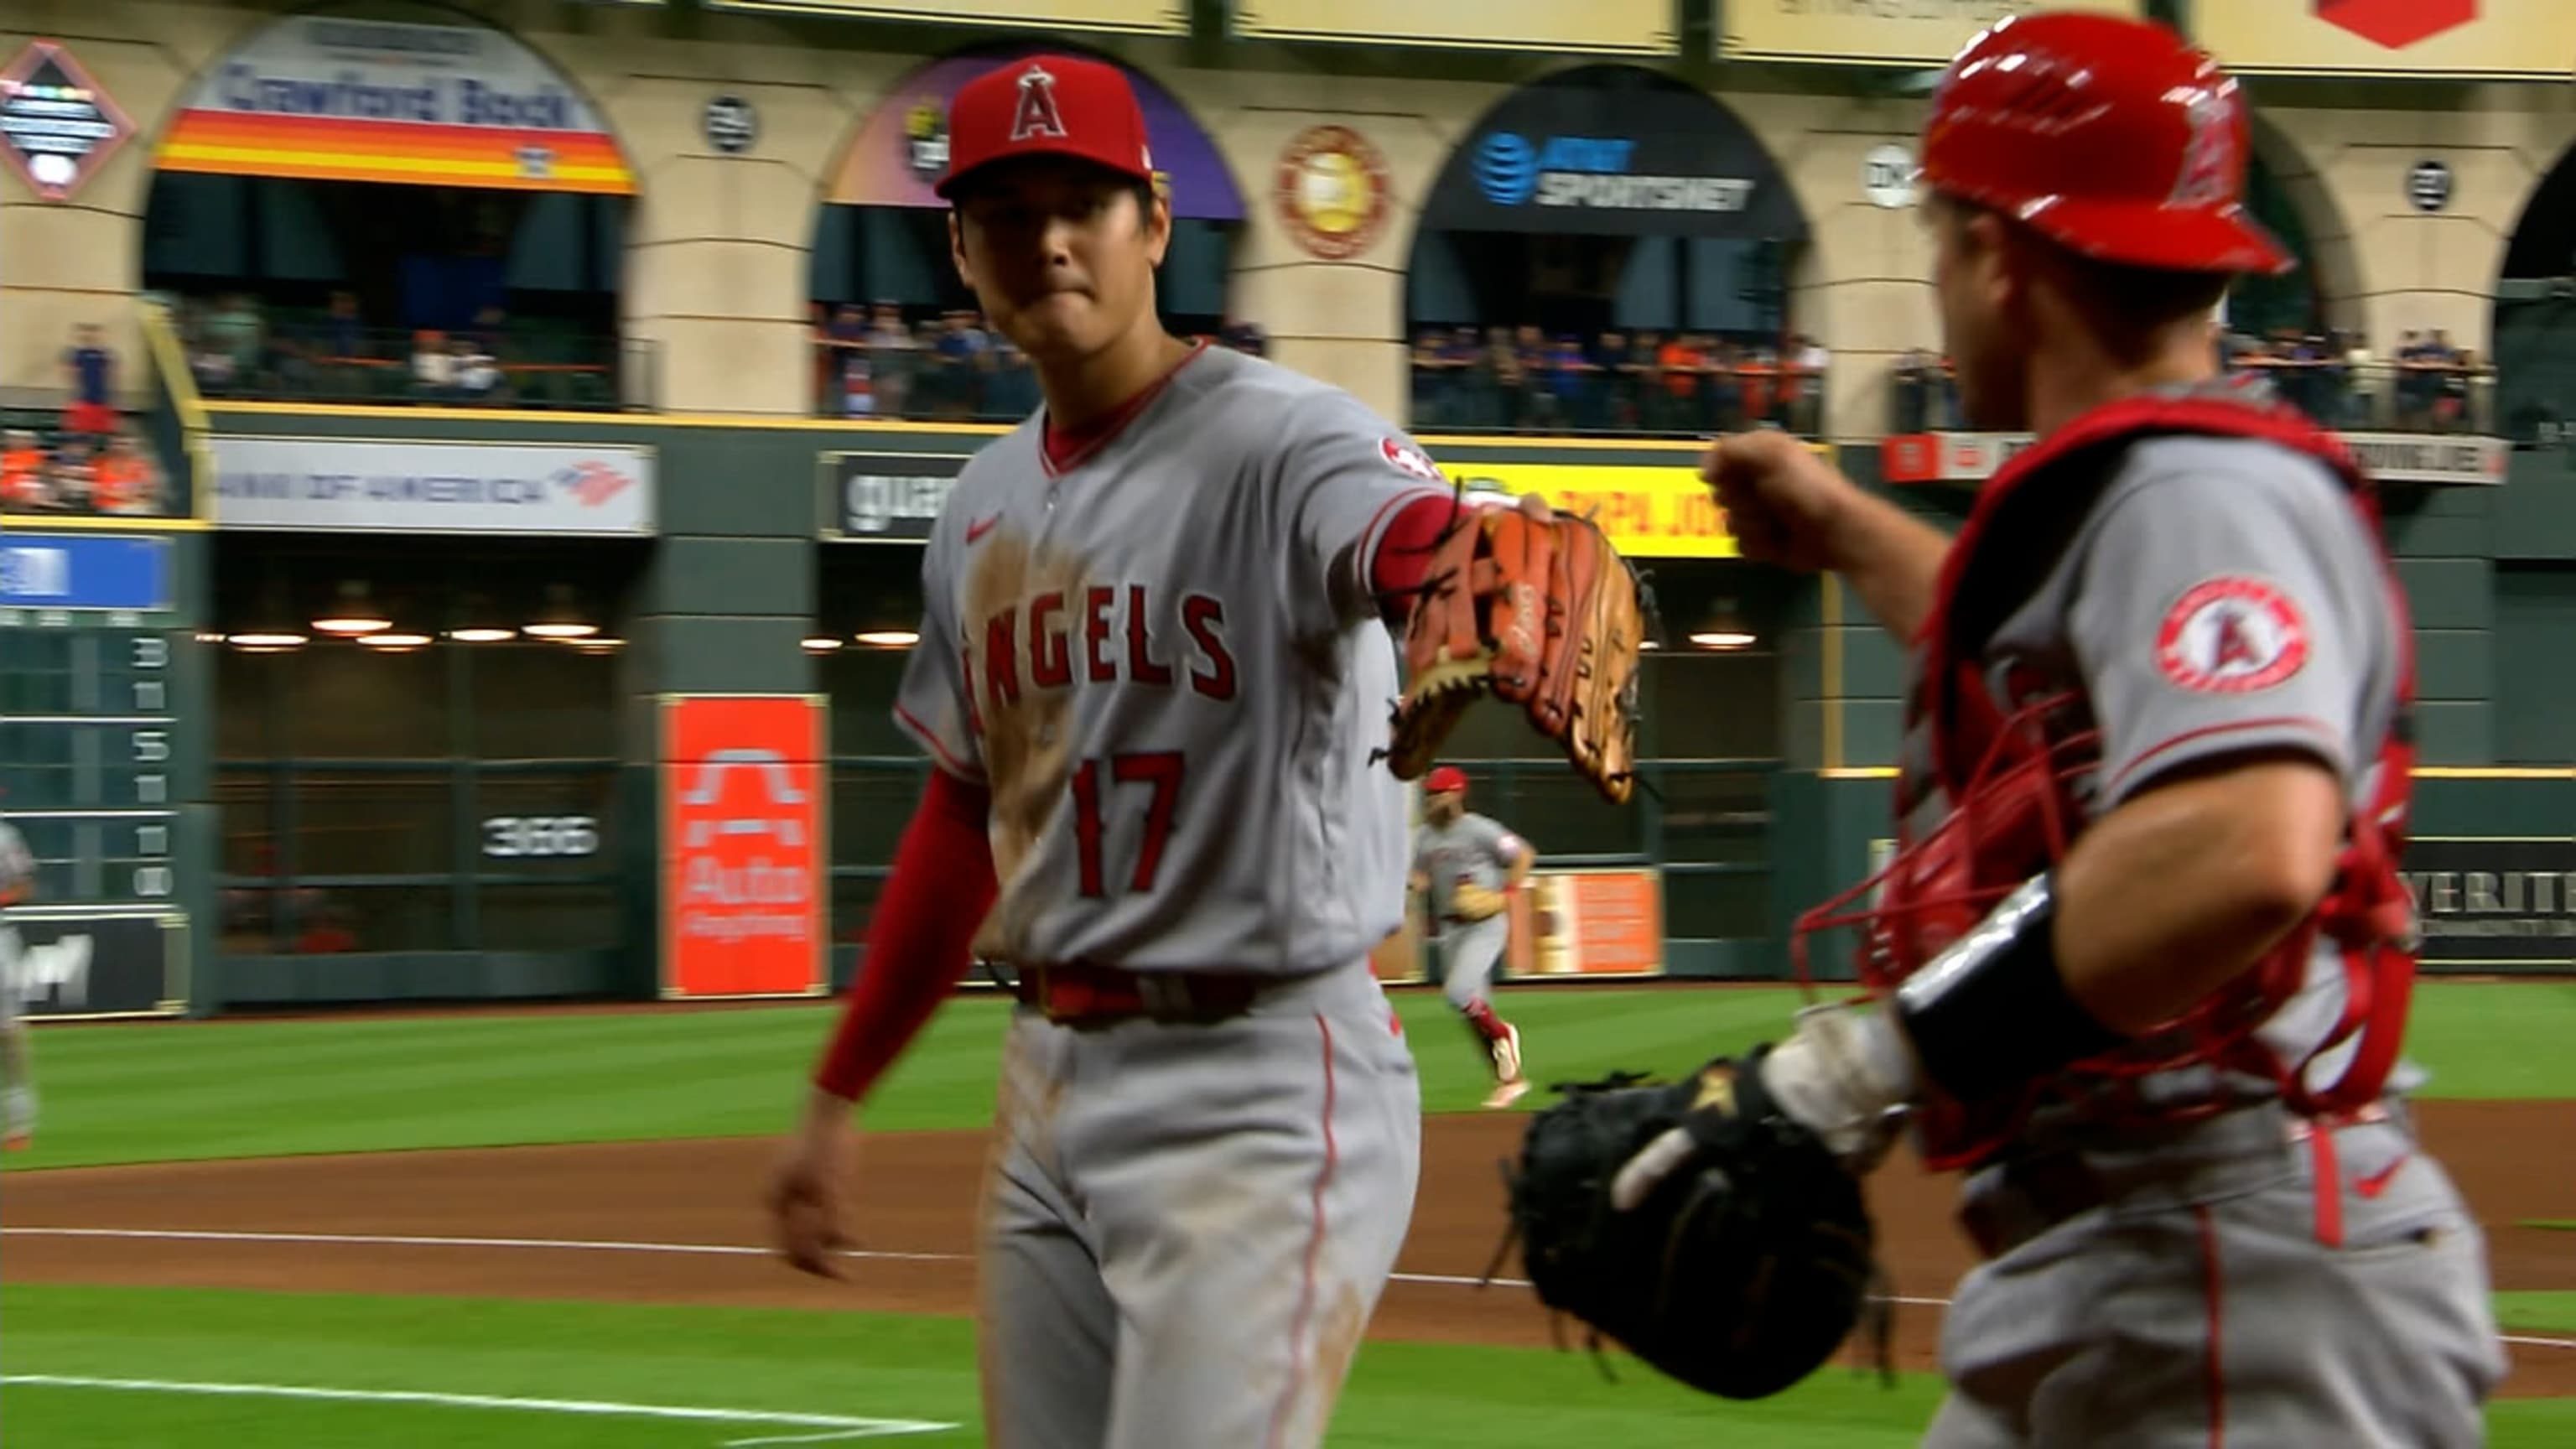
<point x="17" y="863"/>
<point x="1471" y="849"/>
<point x="1165" y="667"/>
<point x="2222" y="596"/>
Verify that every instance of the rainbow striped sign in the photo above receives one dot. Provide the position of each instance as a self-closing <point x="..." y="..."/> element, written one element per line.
<point x="329" y="98"/>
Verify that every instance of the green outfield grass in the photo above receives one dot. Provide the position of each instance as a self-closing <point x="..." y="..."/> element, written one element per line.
<point x="164" y="1091"/>
<point x="2538" y="1311"/>
<point x="850" y="1367"/>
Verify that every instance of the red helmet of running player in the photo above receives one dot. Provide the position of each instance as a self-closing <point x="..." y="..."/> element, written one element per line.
<point x="1046" y="105"/>
<point x="2114" y="138"/>
<point x="1445" y="779"/>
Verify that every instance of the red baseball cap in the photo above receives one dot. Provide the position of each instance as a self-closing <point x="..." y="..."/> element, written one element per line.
<point x="1445" y="779"/>
<point x="1046" y="105"/>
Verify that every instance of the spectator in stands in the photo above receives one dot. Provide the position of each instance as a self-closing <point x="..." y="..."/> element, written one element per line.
<point x="1807" y="363"/>
<point x="124" y="481"/>
<point x="433" y="366"/>
<point x="24" y="472"/>
<point x="345" y="332"/>
<point x="234" y="329"/>
<point x="477" y="375"/>
<point x="1614" y="384"/>
<point x="890" y="361"/>
<point x="72" y="476"/>
<point x="90" y="371"/>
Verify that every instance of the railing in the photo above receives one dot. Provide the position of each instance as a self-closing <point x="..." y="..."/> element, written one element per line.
<point x="1633" y="399"/>
<point x="521" y="367"/>
<point x="2371" y="397"/>
<point x="961" y="382"/>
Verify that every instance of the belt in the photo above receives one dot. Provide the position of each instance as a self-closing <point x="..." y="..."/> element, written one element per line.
<point x="1080" y="993"/>
<point x="2031" y="1193"/>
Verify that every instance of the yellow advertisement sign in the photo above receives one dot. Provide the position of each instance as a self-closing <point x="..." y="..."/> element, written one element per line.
<point x="1877" y="32"/>
<point x="1663" y="511"/>
<point x="1595" y="27"/>
<point x="1134" y="17"/>
<point x="2462" y="39"/>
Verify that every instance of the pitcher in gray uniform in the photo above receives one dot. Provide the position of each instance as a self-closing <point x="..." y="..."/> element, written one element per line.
<point x="1466" y="867"/>
<point x="2142" y="958"/>
<point x="1155" y="679"/>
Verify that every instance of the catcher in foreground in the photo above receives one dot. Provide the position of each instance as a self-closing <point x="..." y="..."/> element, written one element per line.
<point x="2141" y="962"/>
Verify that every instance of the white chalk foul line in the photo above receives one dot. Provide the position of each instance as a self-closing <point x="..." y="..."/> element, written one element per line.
<point x="571" y="1245"/>
<point x="592" y="1245"/>
<point x="835" y="1426"/>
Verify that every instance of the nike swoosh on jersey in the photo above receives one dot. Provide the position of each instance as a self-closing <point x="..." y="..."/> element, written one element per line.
<point x="2377" y="1182"/>
<point x="978" y="528"/>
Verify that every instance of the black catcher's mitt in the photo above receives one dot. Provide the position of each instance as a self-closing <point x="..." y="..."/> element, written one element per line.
<point x="1745" y="1268"/>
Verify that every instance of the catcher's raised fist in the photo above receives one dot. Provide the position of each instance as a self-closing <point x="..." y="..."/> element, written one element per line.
<point x="1782" y="502"/>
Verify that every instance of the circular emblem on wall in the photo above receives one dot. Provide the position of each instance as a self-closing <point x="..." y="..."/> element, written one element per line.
<point x="1887" y="177"/>
<point x="731" y="125"/>
<point x="1332" y="191"/>
<point x="2428" y="186"/>
<point x="2231" y="636"/>
<point x="925" y="140"/>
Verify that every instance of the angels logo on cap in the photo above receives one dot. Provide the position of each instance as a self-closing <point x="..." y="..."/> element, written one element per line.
<point x="1037" y="114"/>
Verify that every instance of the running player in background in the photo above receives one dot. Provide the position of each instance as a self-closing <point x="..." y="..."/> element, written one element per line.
<point x="17" y="1067"/>
<point x="1467" y="866"/>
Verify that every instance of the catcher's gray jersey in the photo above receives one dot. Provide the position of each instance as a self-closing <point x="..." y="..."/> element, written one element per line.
<point x="2222" y="596"/>
<point x="1163" y="665"/>
<point x="1472" y="849"/>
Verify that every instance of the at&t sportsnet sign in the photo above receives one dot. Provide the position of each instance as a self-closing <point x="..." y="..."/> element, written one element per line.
<point x="1614" y="151"/>
<point x="1593" y="171"/>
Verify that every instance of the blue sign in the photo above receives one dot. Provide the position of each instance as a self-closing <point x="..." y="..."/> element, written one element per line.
<point x="1506" y="169"/>
<point x="83" y="571"/>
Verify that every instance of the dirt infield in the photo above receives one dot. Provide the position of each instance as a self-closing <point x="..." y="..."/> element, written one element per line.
<point x="675" y="1222"/>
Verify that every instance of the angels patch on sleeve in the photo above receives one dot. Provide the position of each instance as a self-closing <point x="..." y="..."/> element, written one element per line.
<point x="2231" y="635"/>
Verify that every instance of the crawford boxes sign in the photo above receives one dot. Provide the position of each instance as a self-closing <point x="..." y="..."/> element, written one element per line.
<point x="2498" y="901"/>
<point x="346" y="485"/>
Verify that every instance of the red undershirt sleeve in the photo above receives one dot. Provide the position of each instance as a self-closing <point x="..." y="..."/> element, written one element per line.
<point x="1404" y="545"/>
<point x="921" y="939"/>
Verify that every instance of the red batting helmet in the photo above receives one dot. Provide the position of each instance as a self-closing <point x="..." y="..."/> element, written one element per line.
<point x="1445" y="779"/>
<point x="2114" y="138"/>
<point x="1046" y="105"/>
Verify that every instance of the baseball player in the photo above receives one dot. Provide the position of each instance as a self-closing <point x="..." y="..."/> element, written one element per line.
<point x="1466" y="867"/>
<point x="2141" y="961"/>
<point x="17" y="1070"/>
<point x="1155" y="677"/>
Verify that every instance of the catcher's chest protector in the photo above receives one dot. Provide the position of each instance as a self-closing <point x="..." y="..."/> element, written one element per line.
<point x="1992" y="790"/>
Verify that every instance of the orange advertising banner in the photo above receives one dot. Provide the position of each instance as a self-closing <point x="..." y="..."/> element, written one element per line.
<point x="743" y="846"/>
<point x="1596" y="923"/>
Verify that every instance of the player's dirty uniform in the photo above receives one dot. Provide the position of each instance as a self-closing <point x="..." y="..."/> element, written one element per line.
<point x="1160" y="662"/>
<point x="2176" y="1257"/>
<point x="1472" y="850"/>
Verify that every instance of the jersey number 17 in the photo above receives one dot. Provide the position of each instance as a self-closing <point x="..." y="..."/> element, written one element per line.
<point x="1160" y="769"/>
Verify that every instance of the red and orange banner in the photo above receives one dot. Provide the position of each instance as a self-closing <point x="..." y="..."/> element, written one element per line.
<point x="330" y="98"/>
<point x="745" y="859"/>
<point x="1589" y="923"/>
